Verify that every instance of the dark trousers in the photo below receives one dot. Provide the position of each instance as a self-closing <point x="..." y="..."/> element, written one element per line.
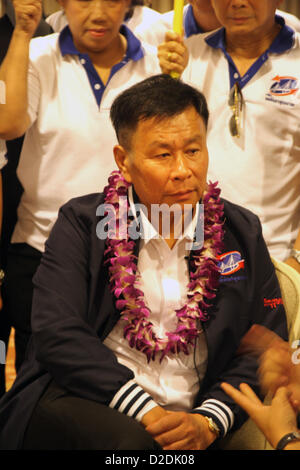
<point x="65" y="422"/>
<point x="22" y="263"/>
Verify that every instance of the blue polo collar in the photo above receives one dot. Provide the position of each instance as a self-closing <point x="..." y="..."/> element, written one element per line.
<point x="282" y="43"/>
<point x="190" y="24"/>
<point x="134" y="52"/>
<point x="134" y="49"/>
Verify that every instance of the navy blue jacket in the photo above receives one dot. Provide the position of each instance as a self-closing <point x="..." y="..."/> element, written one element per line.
<point x="73" y="311"/>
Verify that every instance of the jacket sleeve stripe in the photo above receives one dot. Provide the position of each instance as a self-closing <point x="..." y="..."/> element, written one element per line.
<point x="132" y="400"/>
<point x="219" y="411"/>
<point x="123" y="393"/>
<point x="143" y="408"/>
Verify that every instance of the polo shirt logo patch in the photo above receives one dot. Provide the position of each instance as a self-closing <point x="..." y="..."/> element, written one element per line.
<point x="281" y="87"/>
<point x="230" y="263"/>
<point x="284" y="86"/>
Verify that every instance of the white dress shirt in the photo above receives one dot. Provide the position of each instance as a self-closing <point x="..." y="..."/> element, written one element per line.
<point x="174" y="382"/>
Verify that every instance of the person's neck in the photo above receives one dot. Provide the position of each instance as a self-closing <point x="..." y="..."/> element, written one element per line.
<point x="104" y="60"/>
<point x="176" y="227"/>
<point x="251" y="46"/>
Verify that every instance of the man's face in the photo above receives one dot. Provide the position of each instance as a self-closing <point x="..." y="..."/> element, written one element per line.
<point x="167" y="160"/>
<point x="245" y="16"/>
<point x="94" y="23"/>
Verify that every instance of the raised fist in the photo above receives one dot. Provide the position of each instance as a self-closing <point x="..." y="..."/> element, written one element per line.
<point x="28" y="15"/>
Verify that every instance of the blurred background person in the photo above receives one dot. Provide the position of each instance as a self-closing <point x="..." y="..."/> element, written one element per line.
<point x="59" y="91"/>
<point x="279" y="375"/>
<point x="12" y="189"/>
<point x="253" y="135"/>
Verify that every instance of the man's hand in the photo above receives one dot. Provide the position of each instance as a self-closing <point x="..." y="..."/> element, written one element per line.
<point x="28" y="15"/>
<point x="277" y="364"/>
<point x="153" y="415"/>
<point x="172" y="54"/>
<point x="277" y="369"/>
<point x="181" y="431"/>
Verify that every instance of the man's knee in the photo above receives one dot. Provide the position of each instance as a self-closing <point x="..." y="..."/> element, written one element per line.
<point x="72" y="423"/>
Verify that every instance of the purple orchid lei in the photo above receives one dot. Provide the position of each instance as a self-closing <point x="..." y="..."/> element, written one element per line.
<point x="124" y="278"/>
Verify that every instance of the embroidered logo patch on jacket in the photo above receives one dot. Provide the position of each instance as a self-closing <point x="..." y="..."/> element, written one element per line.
<point x="230" y="262"/>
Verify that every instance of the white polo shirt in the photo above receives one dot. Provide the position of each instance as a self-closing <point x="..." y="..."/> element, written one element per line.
<point x="67" y="151"/>
<point x="260" y="170"/>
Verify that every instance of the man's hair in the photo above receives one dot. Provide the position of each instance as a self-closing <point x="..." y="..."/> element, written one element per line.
<point x="159" y="96"/>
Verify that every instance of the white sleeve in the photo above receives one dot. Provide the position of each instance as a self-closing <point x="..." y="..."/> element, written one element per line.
<point x="34" y="91"/>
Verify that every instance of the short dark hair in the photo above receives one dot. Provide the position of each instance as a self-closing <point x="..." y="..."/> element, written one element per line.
<point x="159" y="96"/>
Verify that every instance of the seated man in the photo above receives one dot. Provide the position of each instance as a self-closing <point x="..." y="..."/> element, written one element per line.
<point x="135" y="327"/>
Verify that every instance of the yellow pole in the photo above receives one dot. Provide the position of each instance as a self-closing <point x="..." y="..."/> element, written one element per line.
<point x="177" y="23"/>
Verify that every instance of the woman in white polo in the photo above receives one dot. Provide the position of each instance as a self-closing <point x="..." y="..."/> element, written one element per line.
<point x="59" y="89"/>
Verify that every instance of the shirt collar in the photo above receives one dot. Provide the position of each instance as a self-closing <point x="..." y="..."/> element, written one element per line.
<point x="134" y="49"/>
<point x="150" y="232"/>
<point x="282" y="43"/>
<point x="190" y="24"/>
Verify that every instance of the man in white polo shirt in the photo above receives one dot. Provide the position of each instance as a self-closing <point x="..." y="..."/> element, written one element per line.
<point x="71" y="79"/>
<point x="260" y="168"/>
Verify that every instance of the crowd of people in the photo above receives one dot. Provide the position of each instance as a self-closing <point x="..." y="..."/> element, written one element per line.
<point x="144" y="336"/>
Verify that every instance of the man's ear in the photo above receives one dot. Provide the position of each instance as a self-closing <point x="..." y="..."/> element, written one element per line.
<point x="122" y="160"/>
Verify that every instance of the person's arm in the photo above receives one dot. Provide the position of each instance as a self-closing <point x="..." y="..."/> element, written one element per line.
<point x="278" y="361"/>
<point x="275" y="420"/>
<point x="247" y="307"/>
<point x="71" y="304"/>
<point x="292" y="261"/>
<point x="14" y="118"/>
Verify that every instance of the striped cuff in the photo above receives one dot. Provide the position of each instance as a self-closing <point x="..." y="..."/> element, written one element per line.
<point x="133" y="401"/>
<point x="219" y="412"/>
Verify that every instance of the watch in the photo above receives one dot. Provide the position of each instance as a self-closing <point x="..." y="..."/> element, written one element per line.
<point x="2" y="276"/>
<point x="285" y="440"/>
<point x="296" y="254"/>
<point x="213" y="427"/>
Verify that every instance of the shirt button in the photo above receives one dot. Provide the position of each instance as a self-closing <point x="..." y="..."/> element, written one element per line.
<point x="97" y="86"/>
<point x="236" y="75"/>
<point x="82" y="61"/>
